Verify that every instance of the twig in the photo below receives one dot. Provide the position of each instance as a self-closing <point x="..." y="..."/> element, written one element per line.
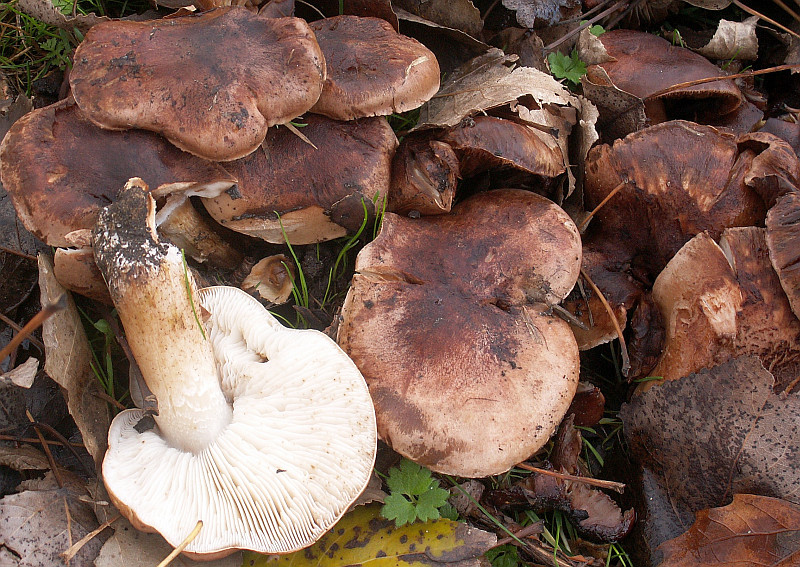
<point x="530" y="530"/>
<point x="33" y="324"/>
<point x="64" y="442"/>
<point x="626" y="362"/>
<point x="32" y="440"/>
<point x="175" y="552"/>
<point x="46" y="448"/>
<point x="583" y="26"/>
<point x="17" y="253"/>
<point x="17" y="328"/>
<point x="605" y="200"/>
<point x="76" y="547"/>
<point x="609" y="484"/>
<point x="721" y="78"/>
<point x="752" y="12"/>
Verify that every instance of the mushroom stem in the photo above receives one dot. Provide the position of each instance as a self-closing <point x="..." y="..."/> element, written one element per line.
<point x="157" y="302"/>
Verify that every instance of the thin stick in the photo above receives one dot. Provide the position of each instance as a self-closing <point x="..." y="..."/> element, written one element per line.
<point x="76" y="547"/>
<point x="294" y="130"/>
<point x="17" y="328"/>
<point x="626" y="362"/>
<point x="766" y="19"/>
<point x="611" y="485"/>
<point x="17" y="253"/>
<point x="106" y="398"/>
<point x="33" y="324"/>
<point x="613" y="192"/>
<point x="46" y="448"/>
<point x="583" y="26"/>
<point x="64" y="442"/>
<point x="533" y="529"/>
<point x="722" y="78"/>
<point x="788" y="10"/>
<point x="177" y="551"/>
<point x="32" y="440"/>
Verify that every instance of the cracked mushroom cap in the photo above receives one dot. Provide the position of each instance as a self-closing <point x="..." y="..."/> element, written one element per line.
<point x="449" y="319"/>
<point x="372" y="69"/>
<point x="265" y="434"/>
<point x="60" y="169"/>
<point x="302" y="193"/>
<point x="210" y="83"/>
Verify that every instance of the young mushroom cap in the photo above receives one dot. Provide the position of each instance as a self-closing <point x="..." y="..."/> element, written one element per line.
<point x="372" y="69"/>
<point x="449" y="319"/>
<point x="211" y="83"/>
<point x="263" y="433"/>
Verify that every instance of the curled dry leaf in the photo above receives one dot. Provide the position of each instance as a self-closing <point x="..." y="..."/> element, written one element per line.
<point x="534" y="13"/>
<point x="69" y="364"/>
<point x="751" y="531"/>
<point x="456" y="14"/>
<point x="733" y="40"/>
<point x="45" y="11"/>
<point x="709" y="435"/>
<point x="22" y="375"/>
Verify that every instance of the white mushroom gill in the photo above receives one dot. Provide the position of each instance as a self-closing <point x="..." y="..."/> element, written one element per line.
<point x="294" y="450"/>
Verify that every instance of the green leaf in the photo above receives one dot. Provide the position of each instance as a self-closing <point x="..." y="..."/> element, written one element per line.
<point x="409" y="478"/>
<point x="362" y="537"/>
<point x="503" y="556"/>
<point x="400" y="509"/>
<point x="597" y="30"/>
<point x="429" y="503"/>
<point x="563" y="67"/>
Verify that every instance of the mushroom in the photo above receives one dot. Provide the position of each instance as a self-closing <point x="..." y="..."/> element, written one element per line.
<point x="265" y="434"/>
<point x="783" y="240"/>
<point x="271" y="278"/>
<point x="309" y="191"/>
<point x="449" y="318"/>
<point x="372" y="69"/>
<point x="211" y="83"/>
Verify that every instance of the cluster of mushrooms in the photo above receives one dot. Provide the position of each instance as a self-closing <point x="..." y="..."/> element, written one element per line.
<point x="202" y="106"/>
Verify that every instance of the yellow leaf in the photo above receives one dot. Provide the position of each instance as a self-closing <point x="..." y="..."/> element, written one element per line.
<point x="363" y="537"/>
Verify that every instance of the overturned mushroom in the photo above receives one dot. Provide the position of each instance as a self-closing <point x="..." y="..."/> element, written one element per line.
<point x="449" y="318"/>
<point x="264" y="434"/>
<point x="181" y="77"/>
<point x="372" y="69"/>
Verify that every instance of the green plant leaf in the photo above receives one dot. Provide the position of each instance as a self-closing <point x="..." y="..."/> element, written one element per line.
<point x="429" y="502"/>
<point x="503" y="556"/>
<point x="563" y="67"/>
<point x="362" y="537"/>
<point x="400" y="509"/>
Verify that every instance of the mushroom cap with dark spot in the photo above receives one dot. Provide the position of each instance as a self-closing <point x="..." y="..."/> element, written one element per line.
<point x="372" y="69"/>
<point x="210" y="83"/>
<point x="448" y="319"/>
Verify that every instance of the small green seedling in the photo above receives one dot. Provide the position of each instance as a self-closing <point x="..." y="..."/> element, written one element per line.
<point x="504" y="556"/>
<point x="414" y="495"/>
<point x="569" y="67"/>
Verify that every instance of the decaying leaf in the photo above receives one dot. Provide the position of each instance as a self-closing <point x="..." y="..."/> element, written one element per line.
<point x="23" y="458"/>
<point x="456" y="14"/>
<point x="752" y="531"/>
<point x="68" y="363"/>
<point x="38" y="525"/>
<point x="363" y="537"/>
<point x="488" y="81"/>
<point x="733" y="40"/>
<point x="47" y="12"/>
<point x="544" y="11"/>
<point x="132" y="548"/>
<point x="710" y="435"/>
<point x="23" y="374"/>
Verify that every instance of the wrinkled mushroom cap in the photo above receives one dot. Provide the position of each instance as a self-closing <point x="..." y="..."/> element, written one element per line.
<point x="60" y="169"/>
<point x="211" y="83"/>
<point x="783" y="239"/>
<point x="298" y="451"/>
<point x="447" y="318"/>
<point x="372" y="69"/>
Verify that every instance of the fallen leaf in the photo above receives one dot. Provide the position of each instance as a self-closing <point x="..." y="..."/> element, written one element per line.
<point x="455" y="14"/>
<point x="489" y="81"/>
<point x="132" y="548"/>
<point x="752" y="531"/>
<point x="36" y="527"/>
<point x="545" y="11"/>
<point x="733" y="40"/>
<point x="45" y="11"/>
<point x="712" y="434"/>
<point x="23" y="374"/>
<point x="363" y="537"/>
<point x="68" y="363"/>
<point x="23" y="458"/>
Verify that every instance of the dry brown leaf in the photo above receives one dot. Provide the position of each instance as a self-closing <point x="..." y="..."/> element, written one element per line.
<point x="545" y="11"/>
<point x="735" y="40"/>
<point x="23" y="458"/>
<point x="752" y="531"/>
<point x="489" y="81"/>
<point x="23" y="375"/>
<point x="36" y="528"/>
<point x="456" y="14"/>
<point x="710" y="4"/>
<point x="68" y="363"/>
<point x="45" y="11"/>
<point x="710" y="435"/>
<point x="132" y="548"/>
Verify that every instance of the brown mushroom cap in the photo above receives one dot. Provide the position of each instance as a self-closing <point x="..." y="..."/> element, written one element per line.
<point x="210" y="83"/>
<point x="424" y="177"/>
<point x="372" y="69"/>
<point x="60" y="169"/>
<point x="783" y="240"/>
<point x="316" y="191"/>
<point x="644" y="64"/>
<point x="448" y="319"/>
